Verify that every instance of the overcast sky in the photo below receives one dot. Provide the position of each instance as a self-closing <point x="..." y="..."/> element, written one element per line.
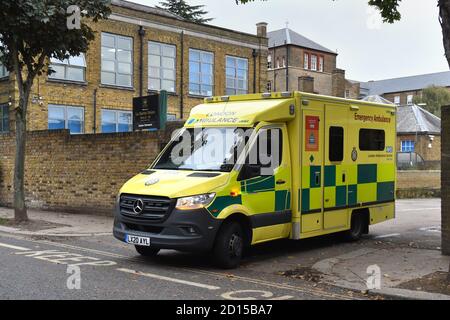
<point x="368" y="49"/>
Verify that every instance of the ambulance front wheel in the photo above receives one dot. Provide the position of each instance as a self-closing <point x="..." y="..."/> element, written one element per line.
<point x="229" y="245"/>
<point x="147" y="251"/>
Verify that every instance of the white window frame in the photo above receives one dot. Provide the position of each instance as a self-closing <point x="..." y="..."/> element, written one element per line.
<point x="68" y="64"/>
<point x="397" y="100"/>
<point x="200" y="73"/>
<point x="116" y="61"/>
<point x="236" y="79"/>
<point x="306" y="61"/>
<point x="66" y="119"/>
<point x="409" y="99"/>
<point x="314" y="62"/>
<point x="152" y="78"/>
<point x="269" y="86"/>
<point x="116" y="119"/>
<point x="407" y="146"/>
<point x="269" y="61"/>
<point x="4" y="114"/>
<point x="321" y="63"/>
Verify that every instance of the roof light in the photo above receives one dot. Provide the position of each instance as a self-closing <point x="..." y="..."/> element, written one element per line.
<point x="266" y="95"/>
<point x="225" y="98"/>
<point x="286" y="94"/>
<point x="354" y="108"/>
<point x="209" y="99"/>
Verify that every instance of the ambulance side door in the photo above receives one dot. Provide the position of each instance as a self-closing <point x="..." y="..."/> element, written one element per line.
<point x="336" y="173"/>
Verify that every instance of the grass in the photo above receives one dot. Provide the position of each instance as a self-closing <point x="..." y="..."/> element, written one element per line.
<point x="3" y="221"/>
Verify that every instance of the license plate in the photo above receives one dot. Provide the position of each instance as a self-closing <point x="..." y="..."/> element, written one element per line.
<point x="136" y="240"/>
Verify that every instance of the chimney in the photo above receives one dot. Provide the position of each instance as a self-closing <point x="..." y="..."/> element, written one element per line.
<point x="306" y="84"/>
<point x="338" y="83"/>
<point x="261" y="29"/>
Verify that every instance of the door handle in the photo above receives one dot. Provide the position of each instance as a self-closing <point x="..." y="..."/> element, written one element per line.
<point x="280" y="181"/>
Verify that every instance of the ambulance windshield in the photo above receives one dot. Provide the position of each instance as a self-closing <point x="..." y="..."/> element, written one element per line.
<point x="205" y="149"/>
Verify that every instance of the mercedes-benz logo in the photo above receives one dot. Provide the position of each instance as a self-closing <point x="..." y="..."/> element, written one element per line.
<point x="138" y="206"/>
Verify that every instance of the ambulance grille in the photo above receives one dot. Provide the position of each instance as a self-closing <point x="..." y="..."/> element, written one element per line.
<point x="154" y="208"/>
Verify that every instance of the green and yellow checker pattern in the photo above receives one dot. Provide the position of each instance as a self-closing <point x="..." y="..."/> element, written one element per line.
<point x="260" y="193"/>
<point x="346" y="186"/>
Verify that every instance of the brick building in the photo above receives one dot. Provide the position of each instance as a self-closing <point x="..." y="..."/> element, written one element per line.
<point x="418" y="132"/>
<point x="298" y="63"/>
<point x="402" y="91"/>
<point x="139" y="49"/>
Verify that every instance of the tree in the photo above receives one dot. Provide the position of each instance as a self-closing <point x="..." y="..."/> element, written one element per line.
<point x="186" y="11"/>
<point x="434" y="97"/>
<point x="31" y="32"/>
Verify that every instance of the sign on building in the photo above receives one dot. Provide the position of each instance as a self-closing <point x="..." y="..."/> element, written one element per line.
<point x="150" y="112"/>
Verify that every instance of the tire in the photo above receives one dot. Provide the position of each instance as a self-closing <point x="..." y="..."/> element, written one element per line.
<point x="147" y="251"/>
<point x="229" y="245"/>
<point x="357" y="227"/>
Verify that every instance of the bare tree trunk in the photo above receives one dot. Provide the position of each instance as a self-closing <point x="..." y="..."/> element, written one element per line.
<point x="444" y="15"/>
<point x="20" y="210"/>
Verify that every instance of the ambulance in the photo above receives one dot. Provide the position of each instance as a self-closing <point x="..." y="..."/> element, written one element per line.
<point x="254" y="168"/>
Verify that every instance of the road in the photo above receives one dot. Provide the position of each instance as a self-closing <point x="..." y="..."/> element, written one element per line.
<point x="104" y="268"/>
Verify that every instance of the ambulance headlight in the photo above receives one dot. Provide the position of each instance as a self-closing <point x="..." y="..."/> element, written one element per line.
<point x="195" y="202"/>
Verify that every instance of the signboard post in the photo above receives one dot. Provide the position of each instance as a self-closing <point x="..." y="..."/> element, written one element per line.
<point x="150" y="112"/>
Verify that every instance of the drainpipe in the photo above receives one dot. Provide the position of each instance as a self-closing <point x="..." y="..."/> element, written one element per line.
<point x="287" y="66"/>
<point x="95" y="111"/>
<point x="182" y="76"/>
<point x="255" y="55"/>
<point x="141" y="33"/>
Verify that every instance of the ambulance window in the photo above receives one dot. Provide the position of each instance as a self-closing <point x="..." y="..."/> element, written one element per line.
<point x="336" y="148"/>
<point x="371" y="140"/>
<point x="268" y="148"/>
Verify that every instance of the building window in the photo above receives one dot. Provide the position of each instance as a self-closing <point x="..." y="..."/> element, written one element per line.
<point x="278" y="62"/>
<point x="72" y="69"/>
<point x="269" y="86"/>
<point x="117" y="60"/>
<point x="237" y="75"/>
<point x="201" y="66"/>
<point x="347" y="94"/>
<point x="3" y="72"/>
<point x="371" y="140"/>
<point x="313" y="62"/>
<point x="336" y="144"/>
<point x="269" y="62"/>
<point x="410" y="99"/>
<point x="321" y="64"/>
<point x="407" y="146"/>
<point x="161" y="66"/>
<point x="4" y="118"/>
<point x="66" y="117"/>
<point x="306" y="61"/>
<point x="116" y="121"/>
<point x="397" y="100"/>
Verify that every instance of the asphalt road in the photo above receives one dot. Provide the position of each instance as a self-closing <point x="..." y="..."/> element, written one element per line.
<point x="104" y="268"/>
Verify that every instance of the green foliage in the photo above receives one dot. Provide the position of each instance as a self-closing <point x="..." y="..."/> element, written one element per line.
<point x="31" y="31"/>
<point x="434" y="97"/>
<point x="186" y="11"/>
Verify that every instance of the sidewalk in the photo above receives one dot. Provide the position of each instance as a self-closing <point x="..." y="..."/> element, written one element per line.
<point x="398" y="266"/>
<point x="46" y="223"/>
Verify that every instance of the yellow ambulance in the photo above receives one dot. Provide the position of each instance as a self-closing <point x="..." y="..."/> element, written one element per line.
<point x="254" y="168"/>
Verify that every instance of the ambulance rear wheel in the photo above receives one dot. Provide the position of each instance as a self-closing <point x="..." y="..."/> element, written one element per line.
<point x="357" y="227"/>
<point x="229" y="245"/>
<point x="147" y="251"/>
